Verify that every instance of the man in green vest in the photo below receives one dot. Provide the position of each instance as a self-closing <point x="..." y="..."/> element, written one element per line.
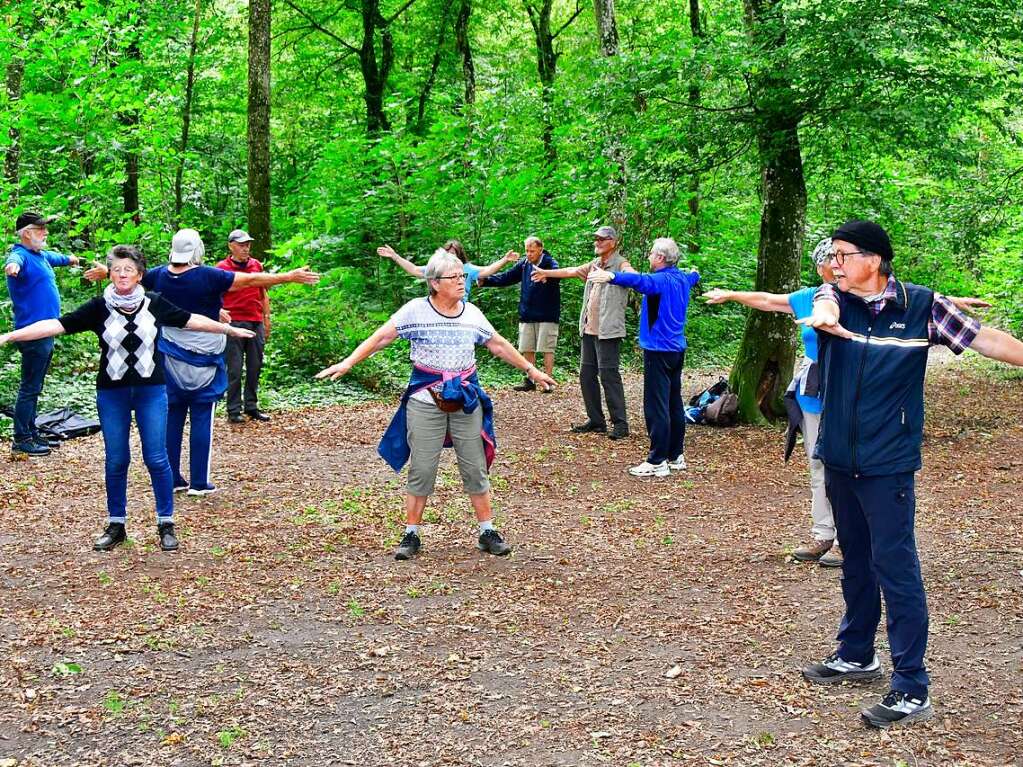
<point x="601" y="328"/>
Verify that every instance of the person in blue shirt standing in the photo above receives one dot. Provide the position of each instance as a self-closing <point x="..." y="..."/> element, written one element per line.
<point x="539" y="307"/>
<point x="33" y="288"/>
<point x="662" y="336"/>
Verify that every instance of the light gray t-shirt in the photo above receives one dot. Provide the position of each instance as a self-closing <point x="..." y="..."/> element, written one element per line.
<point x="440" y="342"/>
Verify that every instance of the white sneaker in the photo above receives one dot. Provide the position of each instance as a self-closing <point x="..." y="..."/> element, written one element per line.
<point x="647" y="469"/>
<point x="199" y="492"/>
<point x="679" y="464"/>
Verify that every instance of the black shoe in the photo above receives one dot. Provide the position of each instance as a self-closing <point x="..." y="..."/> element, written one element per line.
<point x="408" y="547"/>
<point x="256" y="415"/>
<point x="526" y="385"/>
<point x="29" y="448"/>
<point x="492" y="543"/>
<point x="833" y="669"/>
<point x="235" y="418"/>
<point x="897" y="708"/>
<point x="585" y="428"/>
<point x="113" y="536"/>
<point x="618" y="432"/>
<point x="168" y="541"/>
<point x="44" y="439"/>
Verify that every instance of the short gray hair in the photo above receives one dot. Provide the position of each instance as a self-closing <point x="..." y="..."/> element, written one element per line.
<point x="531" y="239"/>
<point x="129" y="253"/>
<point x="440" y="262"/>
<point x="666" y="247"/>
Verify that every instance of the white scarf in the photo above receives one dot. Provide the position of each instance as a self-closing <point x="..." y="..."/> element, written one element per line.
<point x="128" y="303"/>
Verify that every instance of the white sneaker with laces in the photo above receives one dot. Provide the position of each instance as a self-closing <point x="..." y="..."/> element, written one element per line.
<point x="647" y="469"/>
<point x="679" y="464"/>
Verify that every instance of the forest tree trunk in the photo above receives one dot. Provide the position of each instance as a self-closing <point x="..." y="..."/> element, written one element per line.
<point x="259" y="127"/>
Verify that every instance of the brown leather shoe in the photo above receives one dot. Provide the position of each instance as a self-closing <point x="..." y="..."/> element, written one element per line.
<point x="813" y="551"/>
<point x="833" y="558"/>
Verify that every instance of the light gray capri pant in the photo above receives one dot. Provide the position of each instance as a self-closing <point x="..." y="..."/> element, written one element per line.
<point x="426" y="425"/>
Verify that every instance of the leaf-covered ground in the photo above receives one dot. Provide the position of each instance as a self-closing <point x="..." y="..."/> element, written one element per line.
<point x="638" y="622"/>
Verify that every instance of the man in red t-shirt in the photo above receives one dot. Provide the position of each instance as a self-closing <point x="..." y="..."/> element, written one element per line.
<point x="248" y="308"/>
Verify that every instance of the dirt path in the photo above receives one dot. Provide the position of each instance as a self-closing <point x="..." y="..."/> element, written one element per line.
<point x="284" y="633"/>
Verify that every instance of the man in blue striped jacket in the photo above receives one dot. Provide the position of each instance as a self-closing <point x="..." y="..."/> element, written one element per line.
<point x="873" y="356"/>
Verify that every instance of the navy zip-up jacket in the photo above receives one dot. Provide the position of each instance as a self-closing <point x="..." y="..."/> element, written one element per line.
<point x="873" y="416"/>
<point x="662" y="318"/>
<point x="538" y="301"/>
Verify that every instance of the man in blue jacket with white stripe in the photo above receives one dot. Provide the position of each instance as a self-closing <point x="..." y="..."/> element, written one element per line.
<point x="662" y="336"/>
<point x="33" y="288"/>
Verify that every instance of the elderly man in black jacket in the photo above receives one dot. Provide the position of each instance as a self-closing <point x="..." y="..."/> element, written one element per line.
<point x="539" y="306"/>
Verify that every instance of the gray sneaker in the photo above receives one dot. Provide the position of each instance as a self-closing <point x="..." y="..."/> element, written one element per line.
<point x="897" y="708"/>
<point x="492" y="543"/>
<point x="833" y="669"/>
<point x="408" y="548"/>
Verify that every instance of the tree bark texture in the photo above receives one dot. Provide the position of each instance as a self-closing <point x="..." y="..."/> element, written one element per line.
<point x="464" y="47"/>
<point x="546" y="67"/>
<point x="693" y="233"/>
<point x="418" y="125"/>
<point x="766" y="356"/>
<point x="12" y="157"/>
<point x="375" y="74"/>
<point x="186" y="112"/>
<point x="130" y="121"/>
<point x="259" y="127"/>
<point x="607" y="26"/>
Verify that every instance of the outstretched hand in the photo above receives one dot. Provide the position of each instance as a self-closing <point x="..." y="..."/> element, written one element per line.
<point x="544" y="380"/>
<point x="969" y="304"/>
<point x="239" y="332"/>
<point x="511" y="257"/>
<point x="4" y="338"/>
<point x="304" y="275"/>
<point x="95" y="273"/>
<point x="599" y="275"/>
<point x="827" y="324"/>
<point x="12" y="270"/>
<point x="386" y="251"/>
<point x="539" y="275"/>
<point x="334" y="372"/>
<point x="716" y="296"/>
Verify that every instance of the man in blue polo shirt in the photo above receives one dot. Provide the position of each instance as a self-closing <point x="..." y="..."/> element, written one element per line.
<point x="539" y="307"/>
<point x="33" y="288"/>
<point x="662" y="336"/>
<point x="873" y="357"/>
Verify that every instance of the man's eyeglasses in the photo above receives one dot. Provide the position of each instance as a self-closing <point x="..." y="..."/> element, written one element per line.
<point x="452" y="277"/>
<point x="601" y="239"/>
<point x="840" y="257"/>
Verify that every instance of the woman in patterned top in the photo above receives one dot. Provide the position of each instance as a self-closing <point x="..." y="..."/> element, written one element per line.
<point x="473" y="273"/>
<point x="444" y="399"/>
<point x="126" y="320"/>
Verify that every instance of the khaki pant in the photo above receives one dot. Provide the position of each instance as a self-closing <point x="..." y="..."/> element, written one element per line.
<point x="427" y="426"/>
<point x="820" y="507"/>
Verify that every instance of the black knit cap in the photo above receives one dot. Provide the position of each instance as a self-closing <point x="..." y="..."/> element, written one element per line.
<point x="866" y="235"/>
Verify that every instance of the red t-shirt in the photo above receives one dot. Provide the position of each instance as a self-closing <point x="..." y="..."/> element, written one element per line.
<point x="245" y="305"/>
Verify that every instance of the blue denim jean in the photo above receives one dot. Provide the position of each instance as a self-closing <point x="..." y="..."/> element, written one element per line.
<point x="200" y="442"/>
<point x="35" y="361"/>
<point x="115" y="406"/>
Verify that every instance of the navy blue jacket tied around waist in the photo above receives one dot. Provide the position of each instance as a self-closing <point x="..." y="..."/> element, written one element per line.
<point x="461" y="386"/>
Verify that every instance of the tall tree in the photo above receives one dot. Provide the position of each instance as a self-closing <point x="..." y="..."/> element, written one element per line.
<point x="12" y="157"/>
<point x="186" y="112"/>
<point x="259" y="127"/>
<point x="766" y="356"/>
<point x="129" y="119"/>
<point x="607" y="26"/>
<point x="693" y="233"/>
<point x="464" y="47"/>
<point x="418" y="123"/>
<point x="547" y="66"/>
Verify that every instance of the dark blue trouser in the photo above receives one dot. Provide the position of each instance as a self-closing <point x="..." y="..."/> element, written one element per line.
<point x="35" y="361"/>
<point x="200" y="442"/>
<point x="115" y="406"/>
<point x="662" y="404"/>
<point x="874" y="517"/>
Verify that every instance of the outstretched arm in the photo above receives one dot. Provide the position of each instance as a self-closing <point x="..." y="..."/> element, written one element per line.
<point x="303" y="275"/>
<point x="765" y="302"/>
<point x="33" y="332"/>
<point x="387" y="251"/>
<point x="508" y="258"/>
<point x="206" y="325"/>
<point x="968" y="304"/>
<point x="500" y="348"/>
<point x="998" y="345"/>
<point x="382" y="336"/>
<point x="540" y="275"/>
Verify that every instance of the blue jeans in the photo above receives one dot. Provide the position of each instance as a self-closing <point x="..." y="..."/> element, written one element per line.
<point x="200" y="442"/>
<point x="875" y="517"/>
<point x="663" y="408"/>
<point x="35" y="361"/>
<point x="115" y="407"/>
